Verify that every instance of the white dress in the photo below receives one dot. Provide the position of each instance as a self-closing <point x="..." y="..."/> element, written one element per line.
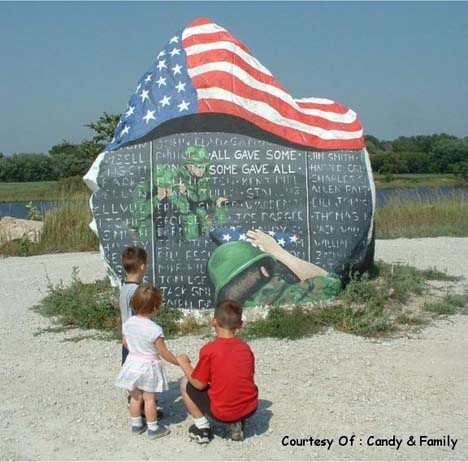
<point x="143" y="368"/>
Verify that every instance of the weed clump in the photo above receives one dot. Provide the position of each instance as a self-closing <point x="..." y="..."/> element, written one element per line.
<point x="372" y="305"/>
<point x="96" y="306"/>
<point x="448" y="305"/>
<point x="88" y="306"/>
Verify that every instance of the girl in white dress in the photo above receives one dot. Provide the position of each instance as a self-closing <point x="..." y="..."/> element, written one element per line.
<point x="142" y="374"/>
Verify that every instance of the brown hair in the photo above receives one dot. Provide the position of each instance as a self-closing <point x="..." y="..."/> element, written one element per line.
<point x="228" y="314"/>
<point x="146" y="299"/>
<point x="133" y="258"/>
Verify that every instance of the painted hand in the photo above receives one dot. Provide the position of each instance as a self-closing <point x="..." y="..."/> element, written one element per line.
<point x="221" y="201"/>
<point x="263" y="241"/>
<point x="161" y="193"/>
<point x="182" y="187"/>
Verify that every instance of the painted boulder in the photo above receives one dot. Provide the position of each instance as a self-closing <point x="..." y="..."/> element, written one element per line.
<point x="235" y="189"/>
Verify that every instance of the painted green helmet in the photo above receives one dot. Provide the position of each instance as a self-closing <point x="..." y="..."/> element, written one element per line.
<point x="197" y="155"/>
<point x="229" y="260"/>
<point x="165" y="176"/>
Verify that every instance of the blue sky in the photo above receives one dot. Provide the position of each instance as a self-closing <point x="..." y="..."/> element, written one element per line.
<point x="403" y="67"/>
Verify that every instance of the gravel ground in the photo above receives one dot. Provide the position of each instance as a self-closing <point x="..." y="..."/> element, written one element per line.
<point x="59" y="402"/>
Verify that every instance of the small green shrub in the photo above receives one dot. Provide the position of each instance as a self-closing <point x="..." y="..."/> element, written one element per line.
<point x="371" y="305"/>
<point x="33" y="212"/>
<point x="281" y="323"/>
<point x="450" y="304"/>
<point x="300" y="322"/>
<point x="89" y="306"/>
<point x="361" y="290"/>
<point x="168" y="319"/>
<point x="95" y="306"/>
<point x="191" y="325"/>
<point x="433" y="274"/>
<point x="405" y="280"/>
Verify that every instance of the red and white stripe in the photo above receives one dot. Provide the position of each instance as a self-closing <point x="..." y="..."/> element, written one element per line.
<point x="230" y="80"/>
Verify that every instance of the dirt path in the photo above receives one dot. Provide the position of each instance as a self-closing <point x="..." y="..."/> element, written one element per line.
<point x="59" y="402"/>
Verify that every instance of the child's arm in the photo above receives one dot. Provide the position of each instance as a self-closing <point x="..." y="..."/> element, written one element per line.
<point x="124" y="342"/>
<point x="164" y="352"/>
<point x="184" y="363"/>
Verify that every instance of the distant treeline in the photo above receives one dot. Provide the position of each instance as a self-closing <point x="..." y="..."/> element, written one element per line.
<point x="419" y="154"/>
<point x="415" y="154"/>
<point x="63" y="160"/>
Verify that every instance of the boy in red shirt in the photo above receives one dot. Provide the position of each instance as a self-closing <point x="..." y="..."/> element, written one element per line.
<point x="222" y="384"/>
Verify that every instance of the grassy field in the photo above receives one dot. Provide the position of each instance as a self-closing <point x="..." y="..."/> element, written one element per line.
<point x="424" y="180"/>
<point x="447" y="216"/>
<point x="31" y="191"/>
<point x="41" y="190"/>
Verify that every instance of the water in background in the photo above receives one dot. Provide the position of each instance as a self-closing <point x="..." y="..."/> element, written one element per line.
<point x="416" y="194"/>
<point x="19" y="209"/>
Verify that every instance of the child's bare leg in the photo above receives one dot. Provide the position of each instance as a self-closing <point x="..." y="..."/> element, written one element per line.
<point x="142" y="404"/>
<point x="150" y="407"/>
<point x="200" y="431"/>
<point x="189" y="404"/>
<point x="136" y="400"/>
<point x="151" y="411"/>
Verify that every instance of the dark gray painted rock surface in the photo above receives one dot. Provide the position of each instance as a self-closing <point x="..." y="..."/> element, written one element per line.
<point x="317" y="205"/>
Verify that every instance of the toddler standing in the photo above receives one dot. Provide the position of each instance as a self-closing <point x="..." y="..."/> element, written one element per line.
<point x="135" y="266"/>
<point x="142" y="373"/>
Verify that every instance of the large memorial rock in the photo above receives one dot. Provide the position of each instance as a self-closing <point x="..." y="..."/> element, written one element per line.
<point x="235" y="189"/>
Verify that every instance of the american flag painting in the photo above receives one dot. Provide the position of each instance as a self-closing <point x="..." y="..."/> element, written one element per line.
<point x="223" y="234"/>
<point x="205" y="69"/>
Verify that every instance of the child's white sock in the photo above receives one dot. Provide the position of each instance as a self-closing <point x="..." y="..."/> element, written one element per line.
<point x="137" y="422"/>
<point x="153" y="426"/>
<point x="201" y="422"/>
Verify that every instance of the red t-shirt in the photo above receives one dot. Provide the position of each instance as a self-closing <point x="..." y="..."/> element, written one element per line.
<point x="228" y="366"/>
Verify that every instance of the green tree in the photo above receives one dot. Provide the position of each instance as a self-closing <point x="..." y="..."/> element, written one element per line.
<point x="74" y="159"/>
<point x="420" y="143"/>
<point x="90" y="149"/>
<point x="412" y="162"/>
<point x="373" y="145"/>
<point x="377" y="161"/>
<point x="104" y="127"/>
<point x="446" y="153"/>
<point x="64" y="148"/>
<point x="461" y="170"/>
<point x="27" y="167"/>
<point x="71" y="165"/>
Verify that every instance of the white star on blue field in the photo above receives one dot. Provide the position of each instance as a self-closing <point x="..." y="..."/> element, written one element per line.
<point x="164" y="92"/>
<point x="224" y="234"/>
